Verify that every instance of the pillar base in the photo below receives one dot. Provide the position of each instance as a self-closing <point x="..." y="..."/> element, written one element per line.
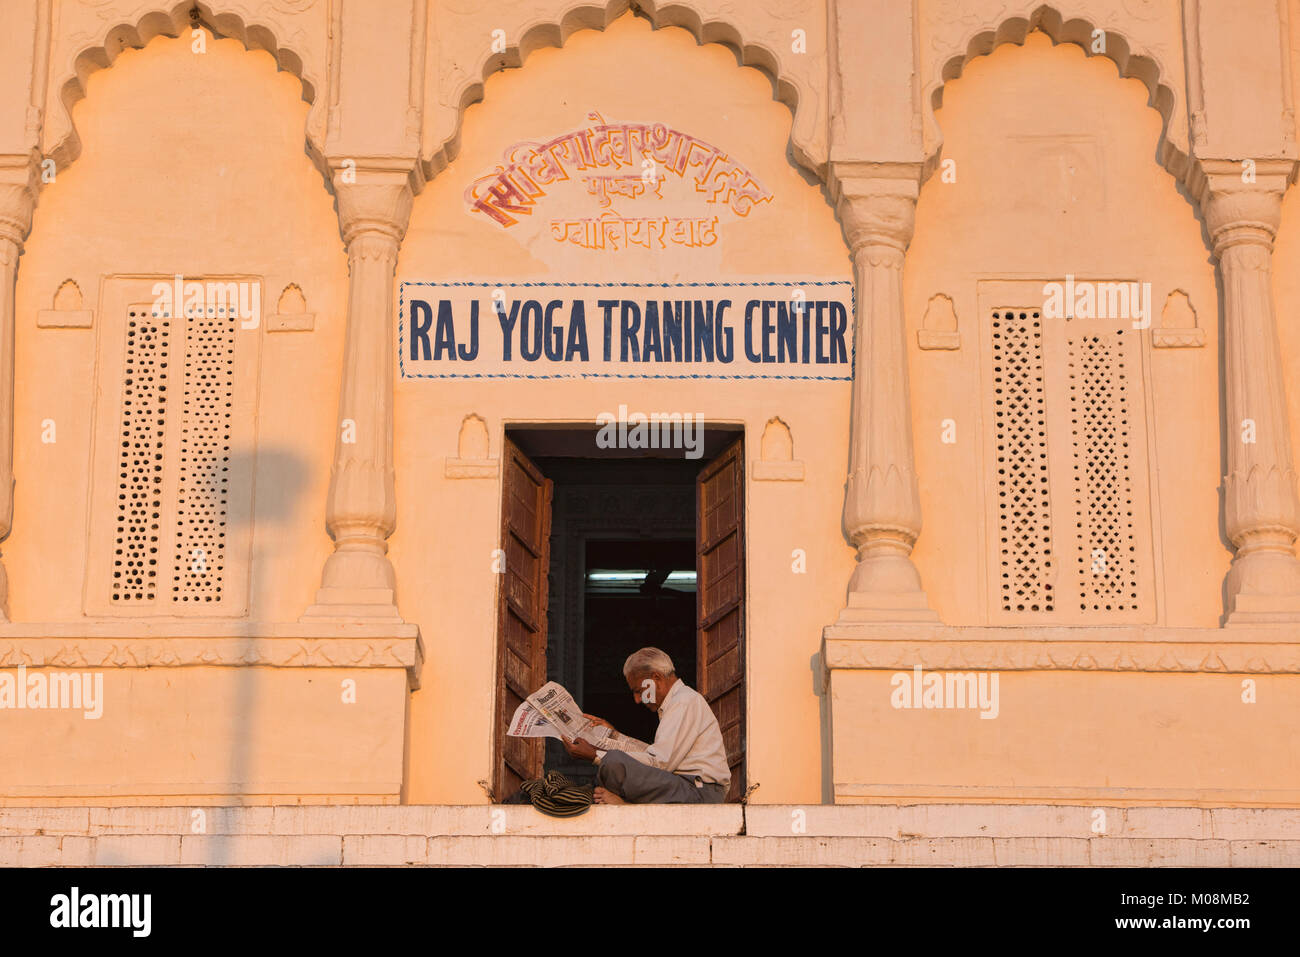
<point x="887" y="607"/>
<point x="350" y="604"/>
<point x="1263" y="586"/>
<point x="1263" y="610"/>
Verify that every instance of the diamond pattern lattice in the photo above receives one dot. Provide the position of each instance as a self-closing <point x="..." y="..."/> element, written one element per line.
<point x="1102" y="455"/>
<point x="1020" y="423"/>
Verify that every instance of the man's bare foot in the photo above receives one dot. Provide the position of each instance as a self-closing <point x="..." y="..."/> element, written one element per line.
<point x="606" y="796"/>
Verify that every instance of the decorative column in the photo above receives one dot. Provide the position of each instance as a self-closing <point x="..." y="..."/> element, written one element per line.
<point x="1261" y="510"/>
<point x="374" y="207"/>
<point x="882" y="510"/>
<point x="17" y="202"/>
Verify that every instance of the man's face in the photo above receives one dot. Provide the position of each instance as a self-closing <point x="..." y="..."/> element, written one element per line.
<point x="648" y="690"/>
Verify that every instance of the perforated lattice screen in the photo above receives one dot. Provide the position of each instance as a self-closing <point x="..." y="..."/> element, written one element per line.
<point x="1023" y="492"/>
<point x="1102" y="444"/>
<point x="203" y="491"/>
<point x="140" y="458"/>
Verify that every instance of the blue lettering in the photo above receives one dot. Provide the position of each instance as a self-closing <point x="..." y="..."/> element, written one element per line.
<point x="724" y="333"/>
<point x="750" y="353"/>
<point x="787" y="331"/>
<point x="472" y="351"/>
<point x="444" y="338"/>
<point x="652" y="344"/>
<point x="507" y="326"/>
<point x="577" y="343"/>
<point x="629" y="322"/>
<point x="421" y="320"/>
<point x="822" y="332"/>
<point x="703" y="332"/>
<point x="608" y="306"/>
<point x="531" y="308"/>
<point x="839" y="325"/>
<point x="672" y="322"/>
<point x="554" y="334"/>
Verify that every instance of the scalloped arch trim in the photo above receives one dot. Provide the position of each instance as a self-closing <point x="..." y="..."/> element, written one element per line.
<point x="586" y="15"/>
<point x="1078" y="31"/>
<point x="172" y="22"/>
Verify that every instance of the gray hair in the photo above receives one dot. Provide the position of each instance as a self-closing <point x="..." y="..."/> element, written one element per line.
<point x="647" y="661"/>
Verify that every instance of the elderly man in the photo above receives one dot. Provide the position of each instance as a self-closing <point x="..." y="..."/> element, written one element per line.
<point x="687" y="764"/>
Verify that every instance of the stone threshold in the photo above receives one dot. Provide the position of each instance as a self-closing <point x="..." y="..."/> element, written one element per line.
<point x="899" y="835"/>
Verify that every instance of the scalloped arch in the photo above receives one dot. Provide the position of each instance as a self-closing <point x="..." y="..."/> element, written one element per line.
<point x="171" y="22"/>
<point x="586" y="15"/>
<point x="1162" y="97"/>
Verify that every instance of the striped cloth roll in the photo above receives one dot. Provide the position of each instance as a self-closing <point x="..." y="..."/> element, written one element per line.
<point x="556" y="795"/>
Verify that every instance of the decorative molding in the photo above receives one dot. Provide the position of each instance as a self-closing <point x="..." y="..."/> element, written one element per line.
<point x="938" y="340"/>
<point x="777" y="462"/>
<point x="472" y="459"/>
<point x="939" y="325"/>
<point x="182" y="644"/>
<point x="1178" y="327"/>
<point x="291" y="313"/>
<point x="455" y="468"/>
<point x="67" y="311"/>
<point x="1190" y="650"/>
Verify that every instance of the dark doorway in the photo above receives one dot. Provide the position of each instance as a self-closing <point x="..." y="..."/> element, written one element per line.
<point x="616" y="522"/>
<point x="636" y="594"/>
<point x="629" y="534"/>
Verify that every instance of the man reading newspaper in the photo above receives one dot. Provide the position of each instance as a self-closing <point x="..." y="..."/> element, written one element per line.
<point x="687" y="764"/>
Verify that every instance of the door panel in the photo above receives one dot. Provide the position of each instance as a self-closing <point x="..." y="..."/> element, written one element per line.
<point x="521" y="615"/>
<point x="720" y="625"/>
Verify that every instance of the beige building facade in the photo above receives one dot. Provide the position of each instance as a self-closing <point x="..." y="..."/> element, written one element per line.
<point x="327" y="327"/>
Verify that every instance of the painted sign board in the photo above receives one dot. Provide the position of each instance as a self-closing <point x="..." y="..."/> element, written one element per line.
<point x="798" y="329"/>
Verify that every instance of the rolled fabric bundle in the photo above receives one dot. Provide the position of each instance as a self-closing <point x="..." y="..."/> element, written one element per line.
<point x="556" y="795"/>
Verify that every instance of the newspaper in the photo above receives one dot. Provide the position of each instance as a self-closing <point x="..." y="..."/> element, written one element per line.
<point x="551" y="712"/>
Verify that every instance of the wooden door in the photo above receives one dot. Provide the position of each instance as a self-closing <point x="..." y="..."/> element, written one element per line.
<point x="521" y="615"/>
<point x="720" y="601"/>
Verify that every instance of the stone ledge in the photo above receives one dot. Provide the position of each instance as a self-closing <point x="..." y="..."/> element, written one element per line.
<point x="370" y="819"/>
<point x="901" y="821"/>
<point x="621" y="850"/>
<point x="952" y="835"/>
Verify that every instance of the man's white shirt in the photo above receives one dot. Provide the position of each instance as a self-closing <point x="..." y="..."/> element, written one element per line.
<point x="688" y="741"/>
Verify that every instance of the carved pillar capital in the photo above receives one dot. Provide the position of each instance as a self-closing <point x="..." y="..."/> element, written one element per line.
<point x="373" y="201"/>
<point x="18" y="193"/>
<point x="877" y="205"/>
<point x="1242" y="205"/>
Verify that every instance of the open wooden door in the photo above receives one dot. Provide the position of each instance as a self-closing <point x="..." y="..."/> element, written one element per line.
<point x="720" y="600"/>
<point x="521" y="615"/>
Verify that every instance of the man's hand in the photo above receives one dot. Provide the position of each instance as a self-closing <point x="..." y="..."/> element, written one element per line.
<point x="600" y="721"/>
<point x="579" y="748"/>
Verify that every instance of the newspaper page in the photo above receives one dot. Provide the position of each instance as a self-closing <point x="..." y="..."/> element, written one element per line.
<point x="551" y="712"/>
<point x="528" y="722"/>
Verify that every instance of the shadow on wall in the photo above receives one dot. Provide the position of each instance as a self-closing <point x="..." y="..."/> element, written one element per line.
<point x="283" y="478"/>
<point x="279" y="478"/>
